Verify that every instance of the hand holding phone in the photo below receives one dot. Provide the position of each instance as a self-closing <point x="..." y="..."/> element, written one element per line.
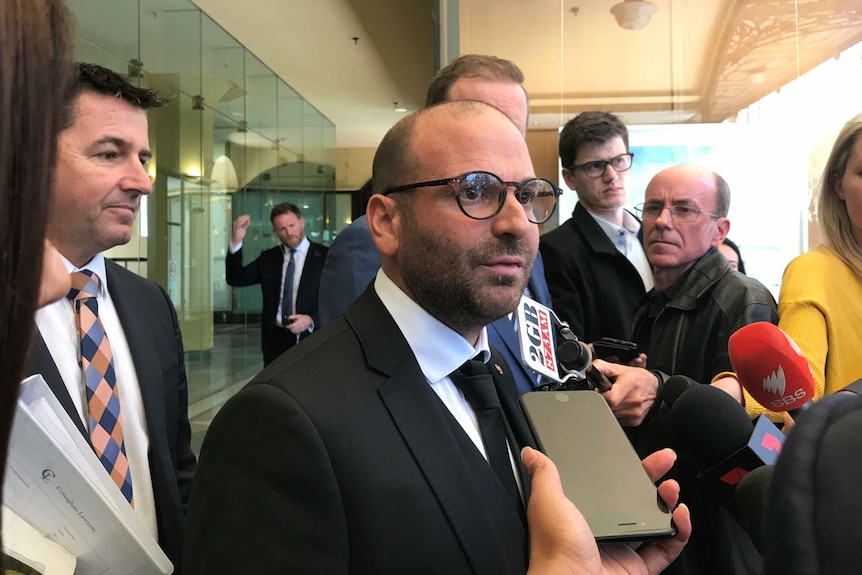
<point x="600" y="471"/>
<point x="615" y="350"/>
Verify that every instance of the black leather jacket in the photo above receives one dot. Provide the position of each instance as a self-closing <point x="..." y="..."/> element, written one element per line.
<point x="684" y="331"/>
<point x="706" y="305"/>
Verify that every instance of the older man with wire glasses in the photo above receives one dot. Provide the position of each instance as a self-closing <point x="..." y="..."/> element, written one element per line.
<point x="683" y="325"/>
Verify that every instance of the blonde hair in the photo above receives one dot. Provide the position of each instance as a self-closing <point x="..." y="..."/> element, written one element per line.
<point x="831" y="210"/>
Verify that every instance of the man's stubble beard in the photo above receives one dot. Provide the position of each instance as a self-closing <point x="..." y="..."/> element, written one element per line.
<point x="449" y="289"/>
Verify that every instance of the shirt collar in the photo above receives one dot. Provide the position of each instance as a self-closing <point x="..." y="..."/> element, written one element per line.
<point x="439" y="350"/>
<point x="302" y="247"/>
<point x="630" y="224"/>
<point x="95" y="265"/>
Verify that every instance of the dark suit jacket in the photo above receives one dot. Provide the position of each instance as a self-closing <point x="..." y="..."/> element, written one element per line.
<point x="502" y="336"/>
<point x="593" y="286"/>
<point x="350" y="466"/>
<point x="150" y="325"/>
<point x="266" y="271"/>
<point x="351" y="264"/>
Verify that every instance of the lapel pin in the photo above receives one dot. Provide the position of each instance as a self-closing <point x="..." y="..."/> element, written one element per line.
<point x="499" y="369"/>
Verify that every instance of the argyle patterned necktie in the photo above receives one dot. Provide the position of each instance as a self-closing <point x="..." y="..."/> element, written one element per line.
<point x="97" y="366"/>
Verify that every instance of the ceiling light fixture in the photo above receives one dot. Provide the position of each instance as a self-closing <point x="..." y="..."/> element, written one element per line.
<point x="399" y="109"/>
<point x="633" y="14"/>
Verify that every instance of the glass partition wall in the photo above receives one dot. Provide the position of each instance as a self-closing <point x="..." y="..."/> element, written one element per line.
<point x="235" y="139"/>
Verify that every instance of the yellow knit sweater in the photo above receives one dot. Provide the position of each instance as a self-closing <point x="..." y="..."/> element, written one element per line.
<point x="820" y="307"/>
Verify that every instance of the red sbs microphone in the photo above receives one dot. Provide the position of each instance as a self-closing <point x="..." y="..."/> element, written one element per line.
<point x="771" y="367"/>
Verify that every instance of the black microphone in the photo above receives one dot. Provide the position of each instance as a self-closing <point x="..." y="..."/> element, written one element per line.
<point x="751" y="501"/>
<point x="674" y="386"/>
<point x="709" y="424"/>
<point x="550" y="348"/>
<point x="573" y="355"/>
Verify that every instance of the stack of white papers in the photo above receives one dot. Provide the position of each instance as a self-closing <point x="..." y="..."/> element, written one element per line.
<point x="55" y="482"/>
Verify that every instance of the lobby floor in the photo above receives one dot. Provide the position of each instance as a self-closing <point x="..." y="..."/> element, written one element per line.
<point x="216" y="374"/>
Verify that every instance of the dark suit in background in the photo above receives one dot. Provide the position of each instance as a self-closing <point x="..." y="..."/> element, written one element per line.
<point x="153" y="334"/>
<point x="593" y="286"/>
<point x="266" y="270"/>
<point x="367" y="471"/>
<point x="351" y="264"/>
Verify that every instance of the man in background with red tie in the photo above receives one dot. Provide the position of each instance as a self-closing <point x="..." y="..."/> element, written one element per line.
<point x="112" y="351"/>
<point x="289" y="278"/>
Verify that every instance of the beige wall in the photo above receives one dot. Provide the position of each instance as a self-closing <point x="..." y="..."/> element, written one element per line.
<point x="353" y="167"/>
<point x="543" y="151"/>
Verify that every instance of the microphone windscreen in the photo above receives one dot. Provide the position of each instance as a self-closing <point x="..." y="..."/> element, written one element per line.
<point x="709" y="424"/>
<point x="771" y="367"/>
<point x="675" y="386"/>
<point x="750" y="497"/>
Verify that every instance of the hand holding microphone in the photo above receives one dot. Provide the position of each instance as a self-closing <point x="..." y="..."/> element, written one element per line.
<point x="771" y="367"/>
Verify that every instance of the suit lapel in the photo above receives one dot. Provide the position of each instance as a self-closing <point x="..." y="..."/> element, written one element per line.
<point x="508" y="394"/>
<point x="503" y="328"/>
<point x="421" y="419"/>
<point x="41" y="362"/>
<point x="142" y="348"/>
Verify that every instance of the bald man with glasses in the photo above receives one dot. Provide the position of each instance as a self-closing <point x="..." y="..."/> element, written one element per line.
<point x="683" y="326"/>
<point x="391" y="441"/>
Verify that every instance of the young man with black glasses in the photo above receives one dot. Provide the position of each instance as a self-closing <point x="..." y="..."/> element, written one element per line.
<point x="594" y="262"/>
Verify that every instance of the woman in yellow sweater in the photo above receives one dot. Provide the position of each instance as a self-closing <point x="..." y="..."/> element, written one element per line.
<point x="820" y="303"/>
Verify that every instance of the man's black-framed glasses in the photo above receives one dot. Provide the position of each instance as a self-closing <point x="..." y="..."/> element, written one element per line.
<point x="481" y="195"/>
<point x="596" y="168"/>
<point x="680" y="212"/>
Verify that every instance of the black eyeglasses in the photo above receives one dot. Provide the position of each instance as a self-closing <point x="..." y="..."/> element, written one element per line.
<point x="481" y="195"/>
<point x="679" y="213"/>
<point x="596" y="168"/>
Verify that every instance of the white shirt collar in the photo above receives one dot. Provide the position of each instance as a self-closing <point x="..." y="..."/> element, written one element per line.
<point x="301" y="247"/>
<point x="439" y="349"/>
<point x="630" y="224"/>
<point x="95" y="265"/>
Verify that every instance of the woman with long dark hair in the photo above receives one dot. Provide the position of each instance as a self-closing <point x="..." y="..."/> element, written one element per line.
<point x="36" y="66"/>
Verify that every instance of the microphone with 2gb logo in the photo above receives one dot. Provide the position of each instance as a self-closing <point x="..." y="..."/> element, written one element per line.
<point x="549" y="347"/>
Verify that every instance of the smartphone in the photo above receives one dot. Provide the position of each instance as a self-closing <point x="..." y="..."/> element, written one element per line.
<point x="615" y="350"/>
<point x="600" y="471"/>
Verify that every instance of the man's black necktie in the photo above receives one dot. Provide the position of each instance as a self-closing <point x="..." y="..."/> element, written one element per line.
<point x="477" y="385"/>
<point x="287" y="292"/>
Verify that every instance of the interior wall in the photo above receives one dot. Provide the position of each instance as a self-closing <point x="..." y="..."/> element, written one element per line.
<point x="353" y="167"/>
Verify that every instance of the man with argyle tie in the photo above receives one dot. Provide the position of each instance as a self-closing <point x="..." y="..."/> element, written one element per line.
<point x="112" y="351"/>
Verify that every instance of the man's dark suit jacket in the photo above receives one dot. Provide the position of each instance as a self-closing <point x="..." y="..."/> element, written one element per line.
<point x="266" y="270"/>
<point x="150" y="325"/>
<point x="340" y="458"/>
<point x="593" y="286"/>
